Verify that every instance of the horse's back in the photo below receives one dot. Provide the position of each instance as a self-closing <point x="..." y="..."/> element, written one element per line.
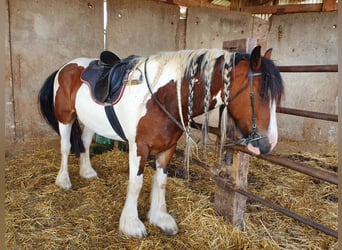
<point x="82" y="61"/>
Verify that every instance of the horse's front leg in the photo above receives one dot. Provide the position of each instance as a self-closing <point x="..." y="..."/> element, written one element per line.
<point x="158" y="214"/>
<point x="130" y="224"/>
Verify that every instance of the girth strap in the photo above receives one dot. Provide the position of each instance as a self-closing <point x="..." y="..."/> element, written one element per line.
<point x="114" y="121"/>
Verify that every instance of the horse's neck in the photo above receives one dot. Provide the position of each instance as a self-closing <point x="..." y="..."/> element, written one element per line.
<point x="202" y="100"/>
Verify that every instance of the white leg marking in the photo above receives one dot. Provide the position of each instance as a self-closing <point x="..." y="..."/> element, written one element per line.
<point x="158" y="215"/>
<point x="130" y="224"/>
<point x="63" y="179"/>
<point x="273" y="129"/>
<point x="86" y="170"/>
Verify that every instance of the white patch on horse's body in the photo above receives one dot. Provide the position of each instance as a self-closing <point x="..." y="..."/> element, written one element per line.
<point x="95" y="116"/>
<point x="272" y="132"/>
<point x="218" y="99"/>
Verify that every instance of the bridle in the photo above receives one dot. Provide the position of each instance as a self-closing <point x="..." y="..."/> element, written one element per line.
<point x="254" y="135"/>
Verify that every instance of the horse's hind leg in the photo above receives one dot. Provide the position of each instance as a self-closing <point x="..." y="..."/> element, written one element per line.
<point x="63" y="179"/>
<point x="86" y="170"/>
<point x="158" y="214"/>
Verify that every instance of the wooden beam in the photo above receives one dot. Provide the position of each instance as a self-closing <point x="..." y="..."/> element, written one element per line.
<point x="286" y="9"/>
<point x="229" y="204"/>
<point x="195" y="3"/>
<point x="329" y="5"/>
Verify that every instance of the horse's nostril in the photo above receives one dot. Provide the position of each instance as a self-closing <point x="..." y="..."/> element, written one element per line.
<point x="263" y="144"/>
<point x="265" y="149"/>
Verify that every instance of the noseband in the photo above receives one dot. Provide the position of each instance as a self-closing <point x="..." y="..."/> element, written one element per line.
<point x="254" y="135"/>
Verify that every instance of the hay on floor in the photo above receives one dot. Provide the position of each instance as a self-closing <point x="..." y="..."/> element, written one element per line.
<point x="39" y="215"/>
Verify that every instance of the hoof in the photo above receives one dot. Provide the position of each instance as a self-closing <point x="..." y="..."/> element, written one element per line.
<point x="171" y="232"/>
<point x="88" y="173"/>
<point x="166" y="223"/>
<point x="64" y="183"/>
<point x="132" y="228"/>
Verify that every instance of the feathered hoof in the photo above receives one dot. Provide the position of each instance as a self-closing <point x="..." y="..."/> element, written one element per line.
<point x="166" y="223"/>
<point x="63" y="181"/>
<point x="132" y="228"/>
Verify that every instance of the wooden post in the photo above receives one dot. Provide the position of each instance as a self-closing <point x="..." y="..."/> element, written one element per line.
<point x="232" y="205"/>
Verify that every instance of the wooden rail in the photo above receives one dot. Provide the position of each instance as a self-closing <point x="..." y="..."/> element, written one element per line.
<point x="302" y="168"/>
<point x="227" y="186"/>
<point x="309" y="114"/>
<point x="309" y="68"/>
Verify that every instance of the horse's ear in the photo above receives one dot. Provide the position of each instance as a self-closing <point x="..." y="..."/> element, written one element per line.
<point x="268" y="53"/>
<point x="255" y="60"/>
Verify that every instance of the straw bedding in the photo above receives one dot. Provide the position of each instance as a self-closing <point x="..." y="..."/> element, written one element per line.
<point x="39" y="215"/>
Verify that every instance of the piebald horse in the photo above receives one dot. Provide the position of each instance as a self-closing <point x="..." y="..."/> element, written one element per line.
<point x="168" y="90"/>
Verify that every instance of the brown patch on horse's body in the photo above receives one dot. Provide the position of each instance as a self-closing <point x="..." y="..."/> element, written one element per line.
<point x="69" y="82"/>
<point x="157" y="134"/>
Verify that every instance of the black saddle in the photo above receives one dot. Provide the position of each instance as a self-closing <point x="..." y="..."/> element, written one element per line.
<point x="97" y="74"/>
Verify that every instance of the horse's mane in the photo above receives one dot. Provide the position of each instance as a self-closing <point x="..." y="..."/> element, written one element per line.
<point x="189" y="62"/>
<point x="192" y="61"/>
<point x="272" y="82"/>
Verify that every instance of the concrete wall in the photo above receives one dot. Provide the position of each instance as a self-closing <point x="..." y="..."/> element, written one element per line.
<point x="307" y="39"/>
<point x="209" y="28"/>
<point x="141" y="27"/>
<point x="42" y="36"/>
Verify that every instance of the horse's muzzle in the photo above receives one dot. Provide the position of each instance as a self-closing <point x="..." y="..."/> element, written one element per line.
<point x="260" y="146"/>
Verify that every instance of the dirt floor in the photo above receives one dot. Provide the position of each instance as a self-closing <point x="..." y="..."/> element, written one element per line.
<point x="39" y="215"/>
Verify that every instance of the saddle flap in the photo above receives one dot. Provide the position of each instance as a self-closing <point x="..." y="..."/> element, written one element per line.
<point x="96" y="75"/>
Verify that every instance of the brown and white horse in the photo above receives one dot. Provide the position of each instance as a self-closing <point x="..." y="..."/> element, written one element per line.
<point x="153" y="113"/>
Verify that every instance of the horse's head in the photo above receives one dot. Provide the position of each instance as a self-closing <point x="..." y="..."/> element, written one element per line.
<point x="255" y="90"/>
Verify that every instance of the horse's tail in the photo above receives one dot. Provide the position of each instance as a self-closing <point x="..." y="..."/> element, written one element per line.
<point x="46" y="104"/>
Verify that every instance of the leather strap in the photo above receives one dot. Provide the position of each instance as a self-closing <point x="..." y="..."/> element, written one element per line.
<point x="114" y="121"/>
